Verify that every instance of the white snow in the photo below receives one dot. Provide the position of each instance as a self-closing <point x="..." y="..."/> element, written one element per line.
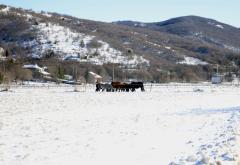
<point x="29" y="16"/>
<point x="47" y="14"/>
<point x="140" y="24"/>
<point x="67" y="43"/>
<point x="36" y="67"/>
<point x="217" y="25"/>
<point x="154" y="44"/>
<point x="198" y="34"/>
<point x="5" y="10"/>
<point x="220" y="26"/>
<point x="182" y="124"/>
<point x="61" y="39"/>
<point x="192" y="61"/>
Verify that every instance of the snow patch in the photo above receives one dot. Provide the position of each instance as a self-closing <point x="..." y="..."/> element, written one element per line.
<point x="36" y="67"/>
<point x="220" y="26"/>
<point x="192" y="61"/>
<point x="29" y="16"/>
<point x="47" y="15"/>
<point x="198" y="34"/>
<point x="60" y="39"/>
<point x="140" y="25"/>
<point x="154" y="44"/>
<point x="5" y="10"/>
<point x="217" y="25"/>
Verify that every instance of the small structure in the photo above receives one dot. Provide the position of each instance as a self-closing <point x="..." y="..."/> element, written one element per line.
<point x="97" y="77"/>
<point x="217" y="79"/>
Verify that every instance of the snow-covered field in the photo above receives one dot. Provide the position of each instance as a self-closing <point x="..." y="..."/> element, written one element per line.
<point x="171" y="124"/>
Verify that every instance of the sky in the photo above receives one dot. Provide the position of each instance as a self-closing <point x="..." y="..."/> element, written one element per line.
<point x="226" y="11"/>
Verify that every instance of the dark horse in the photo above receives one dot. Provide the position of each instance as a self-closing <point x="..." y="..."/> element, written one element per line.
<point x="119" y="86"/>
<point x="104" y="87"/>
<point x="136" y="85"/>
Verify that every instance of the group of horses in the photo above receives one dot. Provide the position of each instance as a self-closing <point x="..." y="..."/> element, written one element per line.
<point x="120" y="87"/>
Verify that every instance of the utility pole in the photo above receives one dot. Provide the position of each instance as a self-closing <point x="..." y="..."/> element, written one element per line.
<point x="113" y="74"/>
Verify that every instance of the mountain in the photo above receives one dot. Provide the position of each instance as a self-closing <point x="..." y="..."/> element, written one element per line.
<point x="208" y="30"/>
<point x="180" y="49"/>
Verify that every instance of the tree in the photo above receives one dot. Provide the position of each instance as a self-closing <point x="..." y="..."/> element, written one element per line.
<point x="60" y="72"/>
<point x="1" y="78"/>
<point x="82" y="44"/>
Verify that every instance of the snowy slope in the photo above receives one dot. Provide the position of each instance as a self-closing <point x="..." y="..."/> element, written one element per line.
<point x="175" y="124"/>
<point x="65" y="42"/>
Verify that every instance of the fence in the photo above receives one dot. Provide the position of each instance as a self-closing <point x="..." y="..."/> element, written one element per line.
<point x="148" y="87"/>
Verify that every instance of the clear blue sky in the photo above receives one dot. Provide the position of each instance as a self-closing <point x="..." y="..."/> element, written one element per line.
<point x="227" y="11"/>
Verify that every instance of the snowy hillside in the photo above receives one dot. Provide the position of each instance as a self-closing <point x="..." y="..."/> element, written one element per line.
<point x="69" y="44"/>
<point x="172" y="124"/>
<point x="74" y="46"/>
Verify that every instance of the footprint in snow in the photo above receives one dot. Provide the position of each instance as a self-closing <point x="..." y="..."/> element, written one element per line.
<point x="191" y="159"/>
<point x="232" y="139"/>
<point x="210" y="146"/>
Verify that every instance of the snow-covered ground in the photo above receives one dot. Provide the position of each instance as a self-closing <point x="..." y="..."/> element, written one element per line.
<point x="167" y="124"/>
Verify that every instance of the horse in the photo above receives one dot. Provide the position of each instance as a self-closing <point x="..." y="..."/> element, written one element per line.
<point x="136" y="85"/>
<point x="102" y="87"/>
<point x="119" y="86"/>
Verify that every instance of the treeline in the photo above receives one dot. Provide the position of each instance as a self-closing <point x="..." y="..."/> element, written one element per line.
<point x="11" y="70"/>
